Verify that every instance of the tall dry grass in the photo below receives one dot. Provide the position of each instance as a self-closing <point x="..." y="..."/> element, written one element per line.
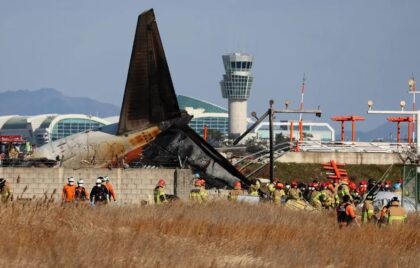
<point x="190" y="235"/>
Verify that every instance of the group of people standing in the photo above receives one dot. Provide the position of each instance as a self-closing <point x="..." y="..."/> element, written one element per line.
<point x="102" y="193"/>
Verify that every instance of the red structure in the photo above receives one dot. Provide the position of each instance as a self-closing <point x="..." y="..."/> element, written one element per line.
<point x="205" y="132"/>
<point x="335" y="170"/>
<point x="398" y="120"/>
<point x="351" y="118"/>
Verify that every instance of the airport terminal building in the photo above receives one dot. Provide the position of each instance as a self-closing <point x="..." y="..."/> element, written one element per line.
<point x="42" y="129"/>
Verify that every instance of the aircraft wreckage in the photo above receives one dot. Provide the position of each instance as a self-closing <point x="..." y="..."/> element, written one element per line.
<point x="151" y="125"/>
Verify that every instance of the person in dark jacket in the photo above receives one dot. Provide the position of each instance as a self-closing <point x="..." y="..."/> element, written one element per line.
<point x="99" y="194"/>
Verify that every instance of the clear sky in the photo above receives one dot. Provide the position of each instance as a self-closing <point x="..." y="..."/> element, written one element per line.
<point x="351" y="51"/>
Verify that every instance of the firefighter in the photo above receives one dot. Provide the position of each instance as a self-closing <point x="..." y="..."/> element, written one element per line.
<point x="328" y="195"/>
<point x="368" y="210"/>
<point x="254" y="188"/>
<point x="278" y="193"/>
<point x="110" y="189"/>
<point x="99" y="193"/>
<point x="5" y="191"/>
<point x="159" y="192"/>
<point x="81" y="194"/>
<point x="199" y="193"/>
<point x="237" y="191"/>
<point x="394" y="214"/>
<point x="345" y="212"/>
<point x="317" y="198"/>
<point x="294" y="192"/>
<point x="69" y="191"/>
<point x="344" y="189"/>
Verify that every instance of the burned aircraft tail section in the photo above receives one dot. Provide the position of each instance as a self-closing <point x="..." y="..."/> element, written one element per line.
<point x="149" y="96"/>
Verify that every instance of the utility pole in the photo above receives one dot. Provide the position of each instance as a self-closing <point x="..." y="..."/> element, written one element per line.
<point x="270" y="120"/>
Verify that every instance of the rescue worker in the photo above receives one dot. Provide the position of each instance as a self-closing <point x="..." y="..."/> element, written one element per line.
<point x="278" y="193"/>
<point x="5" y="191"/>
<point x="237" y="191"/>
<point x="328" y="195"/>
<point x="286" y="188"/>
<point x="159" y="194"/>
<point x="99" y="193"/>
<point x="368" y="210"/>
<point x="110" y="188"/>
<point x="316" y="199"/>
<point x="69" y="191"/>
<point x="253" y="189"/>
<point x="294" y="192"/>
<point x="199" y="193"/>
<point x="81" y="194"/>
<point x="394" y="214"/>
<point x="345" y="212"/>
<point x="343" y="189"/>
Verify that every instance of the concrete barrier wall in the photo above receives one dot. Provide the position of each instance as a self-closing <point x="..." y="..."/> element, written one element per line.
<point x="131" y="185"/>
<point x="342" y="157"/>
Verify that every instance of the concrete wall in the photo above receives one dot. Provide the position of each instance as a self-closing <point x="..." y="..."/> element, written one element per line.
<point x="348" y="158"/>
<point x="131" y="185"/>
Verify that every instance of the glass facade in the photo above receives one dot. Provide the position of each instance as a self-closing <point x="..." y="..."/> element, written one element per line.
<point x="237" y="81"/>
<point x="67" y="127"/>
<point x="216" y="123"/>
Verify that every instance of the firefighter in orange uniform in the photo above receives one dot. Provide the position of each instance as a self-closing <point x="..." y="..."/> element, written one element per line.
<point x="69" y="191"/>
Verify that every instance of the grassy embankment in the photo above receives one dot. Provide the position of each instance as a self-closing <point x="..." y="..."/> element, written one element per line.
<point x="187" y="235"/>
<point x="303" y="172"/>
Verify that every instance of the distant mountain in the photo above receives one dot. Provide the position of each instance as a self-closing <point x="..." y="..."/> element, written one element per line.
<point x="51" y="101"/>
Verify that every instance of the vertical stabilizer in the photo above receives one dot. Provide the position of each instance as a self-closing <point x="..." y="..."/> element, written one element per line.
<point x="149" y="96"/>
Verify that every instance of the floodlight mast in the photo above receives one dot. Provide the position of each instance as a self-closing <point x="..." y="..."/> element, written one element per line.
<point x="402" y="112"/>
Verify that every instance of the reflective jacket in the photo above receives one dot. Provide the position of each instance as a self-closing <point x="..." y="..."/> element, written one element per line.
<point x="159" y="195"/>
<point x="199" y="194"/>
<point x="395" y="215"/>
<point x="277" y="196"/>
<point x="233" y="194"/>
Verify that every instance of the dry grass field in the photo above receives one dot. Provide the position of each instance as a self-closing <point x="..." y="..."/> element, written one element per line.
<point x="190" y="235"/>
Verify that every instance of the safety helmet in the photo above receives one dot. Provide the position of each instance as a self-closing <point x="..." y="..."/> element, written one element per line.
<point x="80" y="182"/>
<point x="397" y="186"/>
<point x="363" y="182"/>
<point x="98" y="181"/>
<point x="197" y="182"/>
<point x="161" y="182"/>
<point x="70" y="180"/>
<point x="294" y="184"/>
<point x="279" y="185"/>
<point x="106" y="178"/>
<point x="237" y="184"/>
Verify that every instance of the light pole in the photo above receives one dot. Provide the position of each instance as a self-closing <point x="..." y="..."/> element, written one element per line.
<point x="402" y="112"/>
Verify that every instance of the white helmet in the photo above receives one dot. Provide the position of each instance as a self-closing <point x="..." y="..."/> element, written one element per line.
<point x="70" y="180"/>
<point x="80" y="182"/>
<point x="106" y="178"/>
<point x="98" y="181"/>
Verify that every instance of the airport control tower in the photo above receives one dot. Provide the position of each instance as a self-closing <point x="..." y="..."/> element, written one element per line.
<point x="236" y="86"/>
